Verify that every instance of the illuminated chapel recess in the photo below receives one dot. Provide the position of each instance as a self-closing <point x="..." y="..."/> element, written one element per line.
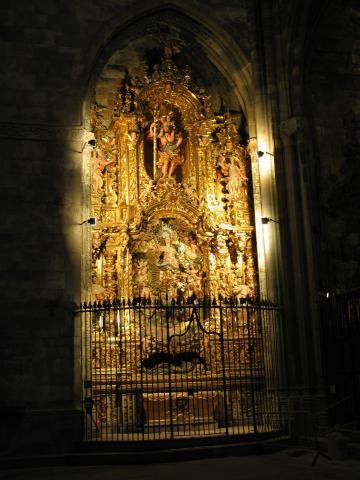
<point x="171" y="190"/>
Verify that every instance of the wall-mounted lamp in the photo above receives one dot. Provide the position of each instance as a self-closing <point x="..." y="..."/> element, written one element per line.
<point x="261" y="154"/>
<point x="90" y="221"/>
<point x="266" y="220"/>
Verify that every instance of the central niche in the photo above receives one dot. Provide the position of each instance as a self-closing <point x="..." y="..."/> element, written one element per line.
<point x="165" y="143"/>
<point x="171" y="189"/>
<point x="168" y="258"/>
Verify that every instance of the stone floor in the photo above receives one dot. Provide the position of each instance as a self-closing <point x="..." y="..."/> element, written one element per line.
<point x="285" y="465"/>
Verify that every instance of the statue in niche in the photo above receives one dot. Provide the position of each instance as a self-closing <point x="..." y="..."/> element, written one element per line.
<point x="230" y="173"/>
<point x="168" y="261"/>
<point x="100" y="164"/>
<point x="168" y="152"/>
<point x="237" y="177"/>
<point x="142" y="277"/>
<point x="167" y="258"/>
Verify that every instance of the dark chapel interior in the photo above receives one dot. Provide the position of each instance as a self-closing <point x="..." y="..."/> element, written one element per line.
<point x="180" y="228"/>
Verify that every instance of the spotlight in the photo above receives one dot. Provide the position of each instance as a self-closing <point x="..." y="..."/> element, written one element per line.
<point x="261" y="154"/>
<point x="325" y="294"/>
<point x="266" y="220"/>
<point x="90" y="221"/>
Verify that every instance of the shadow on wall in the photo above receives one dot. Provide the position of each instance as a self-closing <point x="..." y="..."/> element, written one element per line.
<point x="38" y="399"/>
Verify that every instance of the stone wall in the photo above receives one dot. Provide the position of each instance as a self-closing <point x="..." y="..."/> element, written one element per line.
<point x="333" y="104"/>
<point x="53" y="53"/>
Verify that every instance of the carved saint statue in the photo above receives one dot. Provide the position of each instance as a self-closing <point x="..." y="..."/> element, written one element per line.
<point x="230" y="173"/>
<point x="142" y="278"/>
<point x="168" y="141"/>
<point x="167" y="253"/>
<point x="100" y="164"/>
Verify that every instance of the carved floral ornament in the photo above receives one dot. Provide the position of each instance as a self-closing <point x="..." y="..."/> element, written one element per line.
<point x="171" y="189"/>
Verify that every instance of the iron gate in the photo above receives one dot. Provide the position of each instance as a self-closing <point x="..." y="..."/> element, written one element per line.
<point x="165" y="370"/>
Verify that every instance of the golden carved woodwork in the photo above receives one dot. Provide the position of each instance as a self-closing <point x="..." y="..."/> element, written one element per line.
<point x="170" y="191"/>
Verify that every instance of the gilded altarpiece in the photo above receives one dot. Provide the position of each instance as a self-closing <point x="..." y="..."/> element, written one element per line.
<point x="171" y="191"/>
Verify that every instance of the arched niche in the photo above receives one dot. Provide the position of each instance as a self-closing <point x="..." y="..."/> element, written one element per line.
<point x="215" y="58"/>
<point x="134" y="55"/>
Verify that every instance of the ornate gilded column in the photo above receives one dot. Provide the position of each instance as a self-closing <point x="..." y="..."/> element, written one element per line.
<point x="191" y="168"/>
<point x="123" y="169"/>
<point x="206" y="173"/>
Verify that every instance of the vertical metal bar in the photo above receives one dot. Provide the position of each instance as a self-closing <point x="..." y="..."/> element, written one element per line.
<point x="234" y="367"/>
<point x="201" y="382"/>
<point x="126" y="367"/>
<point x="189" y="380"/>
<point x="141" y="370"/>
<point x="223" y="368"/>
<point x="106" y="391"/>
<point x="90" y="359"/>
<point x="117" y="365"/>
<point x="266" y="342"/>
<point x="215" y="371"/>
<point x="169" y="367"/>
<point x="112" y="393"/>
<point x="244" y="313"/>
<point x="200" y="335"/>
<point x="96" y="332"/>
<point x="97" y="373"/>
<point x="129" y="389"/>
<point x="85" y="370"/>
<point x="148" y="311"/>
<point x="204" y="380"/>
<point x="134" y="393"/>
<point x="251" y="371"/>
<point x="157" y="392"/>
<point x="122" y="362"/>
<point x="229" y="365"/>
<point x="264" y="366"/>
<point x="103" y="372"/>
<point x="174" y="389"/>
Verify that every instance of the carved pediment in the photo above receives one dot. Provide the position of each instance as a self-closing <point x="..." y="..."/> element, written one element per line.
<point x="174" y="200"/>
<point x="164" y="94"/>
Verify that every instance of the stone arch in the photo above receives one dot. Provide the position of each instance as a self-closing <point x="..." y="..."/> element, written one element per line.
<point x="228" y="58"/>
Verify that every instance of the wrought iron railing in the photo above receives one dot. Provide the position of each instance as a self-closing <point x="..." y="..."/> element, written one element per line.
<point x="167" y="370"/>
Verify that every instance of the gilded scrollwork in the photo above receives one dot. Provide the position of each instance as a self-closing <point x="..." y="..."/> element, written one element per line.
<point x="173" y="178"/>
